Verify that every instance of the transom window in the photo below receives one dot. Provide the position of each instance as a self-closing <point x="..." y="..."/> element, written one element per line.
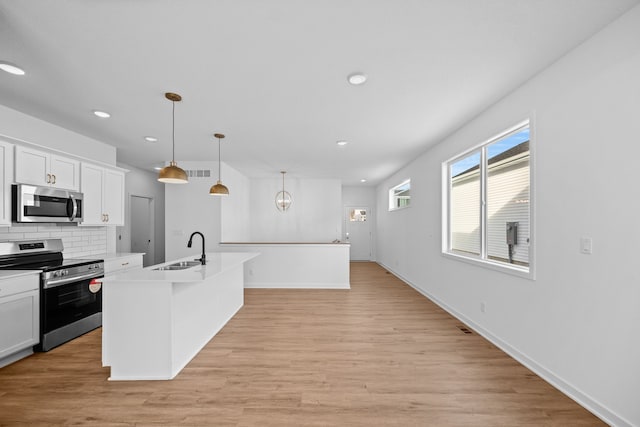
<point x="488" y="202"/>
<point x="400" y="195"/>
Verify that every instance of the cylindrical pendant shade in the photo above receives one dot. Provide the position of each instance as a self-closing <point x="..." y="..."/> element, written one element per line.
<point x="219" y="190"/>
<point x="172" y="174"/>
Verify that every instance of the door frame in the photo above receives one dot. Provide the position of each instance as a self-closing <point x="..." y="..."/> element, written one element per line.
<point x="152" y="224"/>
<point x="345" y="214"/>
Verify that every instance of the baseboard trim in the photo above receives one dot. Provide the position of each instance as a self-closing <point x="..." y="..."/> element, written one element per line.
<point x="295" y="285"/>
<point x="566" y="388"/>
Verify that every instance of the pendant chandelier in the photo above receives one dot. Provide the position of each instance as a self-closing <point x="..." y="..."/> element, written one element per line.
<point x="172" y="174"/>
<point x="283" y="198"/>
<point x="219" y="189"/>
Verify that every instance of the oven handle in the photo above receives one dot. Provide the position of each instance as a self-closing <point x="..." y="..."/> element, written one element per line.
<point x="66" y="280"/>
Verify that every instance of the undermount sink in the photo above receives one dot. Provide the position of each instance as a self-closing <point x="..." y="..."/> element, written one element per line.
<point x="186" y="264"/>
<point x="182" y="265"/>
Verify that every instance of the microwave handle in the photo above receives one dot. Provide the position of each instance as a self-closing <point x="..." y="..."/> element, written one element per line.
<point x="75" y="209"/>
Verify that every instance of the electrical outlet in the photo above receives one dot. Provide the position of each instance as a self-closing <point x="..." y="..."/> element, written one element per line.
<point x="483" y="307"/>
<point x="586" y="245"/>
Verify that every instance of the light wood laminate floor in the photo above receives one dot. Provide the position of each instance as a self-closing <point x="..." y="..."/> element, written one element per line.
<point x="379" y="354"/>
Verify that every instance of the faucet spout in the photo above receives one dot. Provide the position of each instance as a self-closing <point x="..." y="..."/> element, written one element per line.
<point x="203" y="258"/>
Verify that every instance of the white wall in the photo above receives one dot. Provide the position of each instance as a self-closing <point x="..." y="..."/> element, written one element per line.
<point x="143" y="183"/>
<point x="189" y="208"/>
<point x="314" y="216"/>
<point x="578" y="323"/>
<point x="235" y="206"/>
<point x="35" y="131"/>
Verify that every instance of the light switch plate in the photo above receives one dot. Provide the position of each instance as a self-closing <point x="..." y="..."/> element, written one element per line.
<point x="586" y="245"/>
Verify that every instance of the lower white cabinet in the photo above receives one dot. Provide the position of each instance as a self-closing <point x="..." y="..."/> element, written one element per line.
<point x="19" y="317"/>
<point x="123" y="263"/>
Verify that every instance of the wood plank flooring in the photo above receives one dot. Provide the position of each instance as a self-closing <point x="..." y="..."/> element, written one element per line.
<point x="379" y="354"/>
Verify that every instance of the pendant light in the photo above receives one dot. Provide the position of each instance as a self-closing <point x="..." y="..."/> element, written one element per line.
<point x="219" y="189"/>
<point x="172" y="174"/>
<point x="283" y="198"/>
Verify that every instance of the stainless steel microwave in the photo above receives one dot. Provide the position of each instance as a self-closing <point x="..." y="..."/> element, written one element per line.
<point x="32" y="203"/>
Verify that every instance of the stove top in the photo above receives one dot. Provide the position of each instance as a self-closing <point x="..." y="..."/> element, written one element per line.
<point x="44" y="255"/>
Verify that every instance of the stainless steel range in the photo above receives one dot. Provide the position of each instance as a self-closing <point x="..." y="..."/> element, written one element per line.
<point x="70" y="289"/>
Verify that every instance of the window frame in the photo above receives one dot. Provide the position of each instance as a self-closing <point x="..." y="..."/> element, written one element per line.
<point x="392" y="196"/>
<point x="482" y="259"/>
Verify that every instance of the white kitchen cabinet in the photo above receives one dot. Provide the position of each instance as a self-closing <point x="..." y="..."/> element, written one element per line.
<point x="103" y="191"/>
<point x="119" y="263"/>
<point x="37" y="167"/>
<point x="6" y="161"/>
<point x="19" y="316"/>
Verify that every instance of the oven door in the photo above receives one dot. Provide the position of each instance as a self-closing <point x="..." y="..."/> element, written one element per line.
<point x="69" y="310"/>
<point x="45" y="204"/>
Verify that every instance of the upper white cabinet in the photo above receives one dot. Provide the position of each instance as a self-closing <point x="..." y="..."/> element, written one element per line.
<point x="41" y="168"/>
<point x="103" y="192"/>
<point x="6" y="161"/>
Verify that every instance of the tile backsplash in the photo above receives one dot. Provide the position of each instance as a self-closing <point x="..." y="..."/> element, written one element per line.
<point x="78" y="241"/>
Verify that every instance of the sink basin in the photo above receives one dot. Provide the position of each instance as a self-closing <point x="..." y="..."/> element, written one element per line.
<point x="182" y="265"/>
<point x="186" y="264"/>
<point x="171" y="267"/>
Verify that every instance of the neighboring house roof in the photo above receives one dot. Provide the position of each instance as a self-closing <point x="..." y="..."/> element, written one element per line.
<point x="523" y="147"/>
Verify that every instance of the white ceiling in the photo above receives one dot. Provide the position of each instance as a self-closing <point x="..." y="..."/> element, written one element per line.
<point x="271" y="75"/>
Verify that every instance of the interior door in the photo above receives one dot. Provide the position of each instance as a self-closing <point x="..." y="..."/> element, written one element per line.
<point x="358" y="232"/>
<point x="142" y="228"/>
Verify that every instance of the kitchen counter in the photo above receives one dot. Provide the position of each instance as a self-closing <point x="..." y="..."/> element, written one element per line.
<point x="217" y="263"/>
<point x="156" y="321"/>
<point x="10" y="274"/>
<point x="116" y="255"/>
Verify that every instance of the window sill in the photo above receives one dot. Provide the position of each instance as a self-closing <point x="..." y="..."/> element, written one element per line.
<point x="514" y="270"/>
<point x="399" y="209"/>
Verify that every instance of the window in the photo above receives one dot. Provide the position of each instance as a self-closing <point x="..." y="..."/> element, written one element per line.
<point x="487" y="194"/>
<point x="357" y="215"/>
<point x="400" y="195"/>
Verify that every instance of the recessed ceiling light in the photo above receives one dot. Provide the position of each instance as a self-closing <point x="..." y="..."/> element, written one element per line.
<point x="101" y="114"/>
<point x="342" y="143"/>
<point x="357" y="78"/>
<point x="363" y="180"/>
<point x="151" y="139"/>
<point x="11" y="68"/>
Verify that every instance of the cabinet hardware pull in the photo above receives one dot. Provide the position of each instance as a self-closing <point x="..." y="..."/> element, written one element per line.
<point x="107" y="217"/>
<point x="125" y="263"/>
<point x="48" y="178"/>
<point x="54" y="179"/>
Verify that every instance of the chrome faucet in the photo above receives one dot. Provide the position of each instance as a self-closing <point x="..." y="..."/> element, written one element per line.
<point x="203" y="259"/>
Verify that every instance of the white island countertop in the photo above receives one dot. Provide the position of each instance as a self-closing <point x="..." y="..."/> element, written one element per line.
<point x="217" y="263"/>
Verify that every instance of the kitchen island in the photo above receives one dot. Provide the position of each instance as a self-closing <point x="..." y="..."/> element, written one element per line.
<point x="156" y="319"/>
<point x="301" y="265"/>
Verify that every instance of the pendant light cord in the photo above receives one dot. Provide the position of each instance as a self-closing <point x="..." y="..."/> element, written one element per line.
<point x="173" y="131"/>
<point x="219" y="162"/>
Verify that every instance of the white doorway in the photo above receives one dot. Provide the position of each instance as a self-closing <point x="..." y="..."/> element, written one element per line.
<point x="357" y="232"/>
<point x="142" y="228"/>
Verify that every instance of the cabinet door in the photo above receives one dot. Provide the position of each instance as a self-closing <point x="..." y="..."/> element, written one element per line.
<point x="65" y="173"/>
<point x="91" y="188"/>
<point x="32" y="166"/>
<point x="19" y="317"/>
<point x="114" y="197"/>
<point x="6" y="161"/>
